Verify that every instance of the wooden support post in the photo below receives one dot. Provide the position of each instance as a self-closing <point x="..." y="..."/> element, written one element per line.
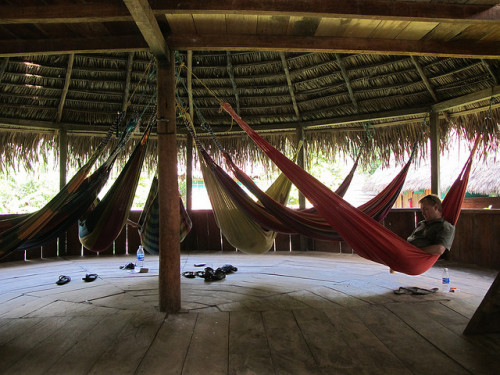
<point x="63" y="157"/>
<point x="435" y="149"/>
<point x="302" y="199"/>
<point x="189" y="143"/>
<point x="168" y="193"/>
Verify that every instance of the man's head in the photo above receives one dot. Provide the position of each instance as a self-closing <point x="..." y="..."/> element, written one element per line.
<point x="431" y="207"/>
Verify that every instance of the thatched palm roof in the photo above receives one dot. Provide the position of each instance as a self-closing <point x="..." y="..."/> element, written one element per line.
<point x="388" y="71"/>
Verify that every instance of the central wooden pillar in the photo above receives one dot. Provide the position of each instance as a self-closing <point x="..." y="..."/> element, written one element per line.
<point x="168" y="192"/>
<point x="435" y="149"/>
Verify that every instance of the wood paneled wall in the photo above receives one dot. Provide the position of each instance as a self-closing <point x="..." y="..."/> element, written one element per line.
<point x="477" y="239"/>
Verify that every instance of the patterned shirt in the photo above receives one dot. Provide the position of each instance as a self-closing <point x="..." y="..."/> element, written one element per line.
<point x="436" y="232"/>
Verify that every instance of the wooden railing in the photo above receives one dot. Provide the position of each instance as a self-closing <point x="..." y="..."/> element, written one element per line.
<point x="477" y="239"/>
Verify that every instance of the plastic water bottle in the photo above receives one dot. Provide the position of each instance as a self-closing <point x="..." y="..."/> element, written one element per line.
<point x="140" y="257"/>
<point x="445" y="288"/>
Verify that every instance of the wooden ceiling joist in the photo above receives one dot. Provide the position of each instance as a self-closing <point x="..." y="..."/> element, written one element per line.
<point x="216" y="42"/>
<point x="230" y="72"/>
<point x="147" y="24"/>
<point x="347" y="82"/>
<point x="364" y="9"/>
<point x="67" y="80"/>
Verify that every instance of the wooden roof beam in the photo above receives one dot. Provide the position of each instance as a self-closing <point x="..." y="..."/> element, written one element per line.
<point x="424" y="78"/>
<point x="230" y="71"/>
<point x="125" y="43"/>
<point x="347" y="82"/>
<point x="363" y="9"/>
<point x="490" y="70"/>
<point x="126" y="92"/>
<point x="290" y="86"/>
<point x="147" y="24"/>
<point x="3" y="66"/>
<point x="215" y="42"/>
<point x="467" y="99"/>
<point x="67" y="81"/>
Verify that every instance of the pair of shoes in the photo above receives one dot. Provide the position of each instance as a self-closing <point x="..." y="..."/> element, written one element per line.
<point x="415" y="290"/>
<point x="189" y="274"/>
<point x="211" y="275"/>
<point x="228" y="268"/>
<point x="128" y="266"/>
<point x="63" y="280"/>
<point x="90" y="277"/>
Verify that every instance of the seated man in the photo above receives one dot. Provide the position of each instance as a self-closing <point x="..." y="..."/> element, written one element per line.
<point x="433" y="235"/>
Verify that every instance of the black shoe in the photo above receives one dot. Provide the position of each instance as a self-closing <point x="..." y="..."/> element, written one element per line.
<point x="63" y="280"/>
<point x="90" y="277"/>
<point x="227" y="269"/>
<point x="128" y="266"/>
<point x="211" y="275"/>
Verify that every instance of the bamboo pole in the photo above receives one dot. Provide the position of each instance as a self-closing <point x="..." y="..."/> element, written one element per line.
<point x="63" y="157"/>
<point x="168" y="193"/>
<point x="189" y="140"/>
<point x="435" y="139"/>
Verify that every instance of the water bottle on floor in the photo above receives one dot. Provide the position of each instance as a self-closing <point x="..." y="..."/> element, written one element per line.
<point x="445" y="286"/>
<point x="140" y="257"/>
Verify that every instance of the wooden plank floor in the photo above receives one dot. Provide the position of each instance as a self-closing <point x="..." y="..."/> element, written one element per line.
<point x="281" y="313"/>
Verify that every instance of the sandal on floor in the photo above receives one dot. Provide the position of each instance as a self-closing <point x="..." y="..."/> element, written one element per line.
<point x="228" y="268"/>
<point x="63" y="280"/>
<point x="128" y="266"/>
<point x="90" y="277"/>
<point x="211" y="275"/>
<point x="415" y="290"/>
<point x="189" y="274"/>
<point x="200" y="274"/>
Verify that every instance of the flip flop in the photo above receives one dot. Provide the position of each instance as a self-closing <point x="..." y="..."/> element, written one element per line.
<point x="63" y="280"/>
<point x="189" y="274"/>
<point x="90" y="277"/>
<point x="415" y="290"/>
<point x="128" y="266"/>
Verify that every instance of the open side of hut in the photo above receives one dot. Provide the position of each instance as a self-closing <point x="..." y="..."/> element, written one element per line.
<point x="382" y="75"/>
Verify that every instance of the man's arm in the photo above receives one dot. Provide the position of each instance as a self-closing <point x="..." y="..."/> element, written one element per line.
<point x="434" y="249"/>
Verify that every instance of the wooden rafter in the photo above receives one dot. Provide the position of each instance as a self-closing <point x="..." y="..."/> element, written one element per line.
<point x="147" y="24"/>
<point x="467" y="99"/>
<point x="364" y="9"/>
<point x="230" y="71"/>
<point x="67" y="80"/>
<point x="290" y="85"/>
<point x="216" y="42"/>
<point x="3" y="66"/>
<point x="424" y="78"/>
<point x="490" y="70"/>
<point x="126" y="91"/>
<point x="347" y="82"/>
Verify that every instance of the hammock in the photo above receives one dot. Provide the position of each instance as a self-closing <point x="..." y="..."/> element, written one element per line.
<point x="365" y="235"/>
<point x="103" y="223"/>
<point x="35" y="229"/>
<point x="309" y="222"/>
<point x="149" y="221"/>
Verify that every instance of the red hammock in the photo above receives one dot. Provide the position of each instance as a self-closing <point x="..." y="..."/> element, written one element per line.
<point x="366" y="236"/>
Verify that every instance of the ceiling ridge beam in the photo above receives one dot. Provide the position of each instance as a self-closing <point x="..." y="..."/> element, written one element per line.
<point x="347" y="82"/>
<point x="421" y="72"/>
<point x="67" y="81"/>
<point x="230" y="71"/>
<point x="149" y="28"/>
<point x="215" y="42"/>
<point x="290" y="85"/>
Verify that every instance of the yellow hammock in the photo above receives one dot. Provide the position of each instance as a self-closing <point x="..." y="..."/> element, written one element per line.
<point x="240" y="230"/>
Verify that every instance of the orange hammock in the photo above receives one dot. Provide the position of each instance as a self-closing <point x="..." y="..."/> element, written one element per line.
<point x="366" y="236"/>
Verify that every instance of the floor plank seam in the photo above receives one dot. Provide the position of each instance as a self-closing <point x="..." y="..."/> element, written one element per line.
<point x="316" y="361"/>
<point x="189" y="345"/>
<point x="149" y="347"/>
<point x="266" y="330"/>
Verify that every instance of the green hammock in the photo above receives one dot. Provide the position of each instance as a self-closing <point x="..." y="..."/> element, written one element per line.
<point x="149" y="221"/>
<point x="104" y="222"/>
